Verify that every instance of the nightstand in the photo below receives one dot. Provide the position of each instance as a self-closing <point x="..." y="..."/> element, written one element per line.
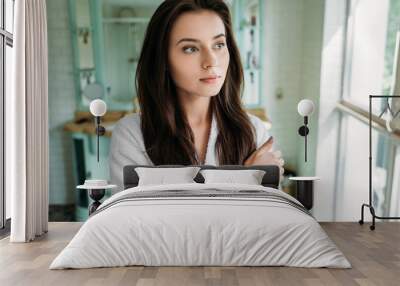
<point x="305" y="190"/>
<point x="96" y="189"/>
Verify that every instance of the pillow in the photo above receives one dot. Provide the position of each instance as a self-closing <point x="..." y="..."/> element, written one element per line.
<point x="162" y="176"/>
<point x="249" y="177"/>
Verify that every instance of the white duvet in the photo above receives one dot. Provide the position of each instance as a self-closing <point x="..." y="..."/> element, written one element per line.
<point x="180" y="231"/>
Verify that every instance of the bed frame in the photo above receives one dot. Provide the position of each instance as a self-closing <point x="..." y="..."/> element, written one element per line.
<point x="270" y="179"/>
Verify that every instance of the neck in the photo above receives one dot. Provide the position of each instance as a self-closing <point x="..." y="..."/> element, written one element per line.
<point x="197" y="109"/>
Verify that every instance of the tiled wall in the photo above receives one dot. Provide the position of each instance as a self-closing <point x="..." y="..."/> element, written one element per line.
<point x="310" y="78"/>
<point x="61" y="102"/>
<point x="292" y="64"/>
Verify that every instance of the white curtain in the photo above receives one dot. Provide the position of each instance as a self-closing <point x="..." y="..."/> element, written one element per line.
<point x="27" y="124"/>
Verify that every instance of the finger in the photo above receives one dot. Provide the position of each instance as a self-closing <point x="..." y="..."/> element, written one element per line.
<point x="280" y="178"/>
<point x="281" y="162"/>
<point x="281" y="171"/>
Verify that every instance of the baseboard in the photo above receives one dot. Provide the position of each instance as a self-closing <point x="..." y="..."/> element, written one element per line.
<point x="62" y="212"/>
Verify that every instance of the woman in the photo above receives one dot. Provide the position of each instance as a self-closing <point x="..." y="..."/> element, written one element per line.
<point x="189" y="80"/>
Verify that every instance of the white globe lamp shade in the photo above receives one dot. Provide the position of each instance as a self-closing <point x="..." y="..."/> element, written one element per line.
<point x="305" y="107"/>
<point x="98" y="107"/>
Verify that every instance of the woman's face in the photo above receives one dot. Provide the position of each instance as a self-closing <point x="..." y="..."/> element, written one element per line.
<point x="198" y="50"/>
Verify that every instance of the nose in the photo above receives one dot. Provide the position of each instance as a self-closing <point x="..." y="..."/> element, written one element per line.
<point x="210" y="60"/>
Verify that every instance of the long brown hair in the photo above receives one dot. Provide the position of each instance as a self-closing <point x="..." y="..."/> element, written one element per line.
<point x="167" y="135"/>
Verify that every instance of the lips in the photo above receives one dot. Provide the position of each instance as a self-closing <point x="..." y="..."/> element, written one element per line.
<point x="210" y="79"/>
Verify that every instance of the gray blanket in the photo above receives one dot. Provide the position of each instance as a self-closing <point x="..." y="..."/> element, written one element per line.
<point x="205" y="194"/>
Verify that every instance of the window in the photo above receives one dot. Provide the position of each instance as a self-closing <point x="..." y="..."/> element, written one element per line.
<point x="370" y="62"/>
<point x="394" y="199"/>
<point x="6" y="45"/>
<point x="355" y="168"/>
<point x="9" y="16"/>
<point x="370" y="53"/>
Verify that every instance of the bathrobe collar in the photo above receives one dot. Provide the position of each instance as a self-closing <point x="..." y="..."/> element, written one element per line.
<point x="210" y="158"/>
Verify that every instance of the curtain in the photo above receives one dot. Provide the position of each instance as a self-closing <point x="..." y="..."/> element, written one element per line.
<point x="27" y="124"/>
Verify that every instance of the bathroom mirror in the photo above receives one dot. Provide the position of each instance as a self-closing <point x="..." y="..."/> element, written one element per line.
<point x="93" y="91"/>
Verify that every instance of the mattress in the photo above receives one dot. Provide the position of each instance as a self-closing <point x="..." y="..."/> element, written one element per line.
<point x="201" y="225"/>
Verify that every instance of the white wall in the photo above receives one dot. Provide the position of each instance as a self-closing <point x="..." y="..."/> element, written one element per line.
<point x="328" y="125"/>
<point x="61" y="102"/>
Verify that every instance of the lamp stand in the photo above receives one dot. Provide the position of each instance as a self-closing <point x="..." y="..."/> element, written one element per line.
<point x="100" y="130"/>
<point x="303" y="131"/>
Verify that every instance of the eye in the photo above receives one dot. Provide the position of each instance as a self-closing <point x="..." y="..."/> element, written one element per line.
<point x="220" y="45"/>
<point x="189" y="50"/>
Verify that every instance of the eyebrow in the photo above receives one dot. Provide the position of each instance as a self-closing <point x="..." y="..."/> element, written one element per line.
<point x="197" y="41"/>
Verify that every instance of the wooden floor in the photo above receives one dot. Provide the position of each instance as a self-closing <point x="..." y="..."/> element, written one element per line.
<point x="374" y="255"/>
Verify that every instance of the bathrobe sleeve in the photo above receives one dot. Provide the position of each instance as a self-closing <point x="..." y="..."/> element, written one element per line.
<point x="262" y="133"/>
<point x="126" y="148"/>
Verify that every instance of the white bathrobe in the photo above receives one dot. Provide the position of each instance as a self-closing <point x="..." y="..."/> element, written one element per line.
<point x="127" y="145"/>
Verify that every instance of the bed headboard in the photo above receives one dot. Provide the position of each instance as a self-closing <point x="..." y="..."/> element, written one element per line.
<point x="270" y="179"/>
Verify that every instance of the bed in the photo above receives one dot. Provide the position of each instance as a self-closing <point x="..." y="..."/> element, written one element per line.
<point x="201" y="224"/>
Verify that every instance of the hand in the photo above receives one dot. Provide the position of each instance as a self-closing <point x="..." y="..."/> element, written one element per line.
<point x="264" y="156"/>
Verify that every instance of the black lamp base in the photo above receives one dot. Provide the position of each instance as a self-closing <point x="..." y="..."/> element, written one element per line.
<point x="305" y="193"/>
<point x="96" y="195"/>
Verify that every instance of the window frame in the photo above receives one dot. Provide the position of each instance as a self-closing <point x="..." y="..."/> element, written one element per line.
<point x="6" y="39"/>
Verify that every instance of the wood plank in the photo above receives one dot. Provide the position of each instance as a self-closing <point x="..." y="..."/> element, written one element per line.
<point x="374" y="255"/>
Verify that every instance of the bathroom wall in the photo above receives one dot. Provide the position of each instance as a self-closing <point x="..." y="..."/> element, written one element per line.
<point x="293" y="43"/>
<point x="61" y="103"/>
<point x="310" y="79"/>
